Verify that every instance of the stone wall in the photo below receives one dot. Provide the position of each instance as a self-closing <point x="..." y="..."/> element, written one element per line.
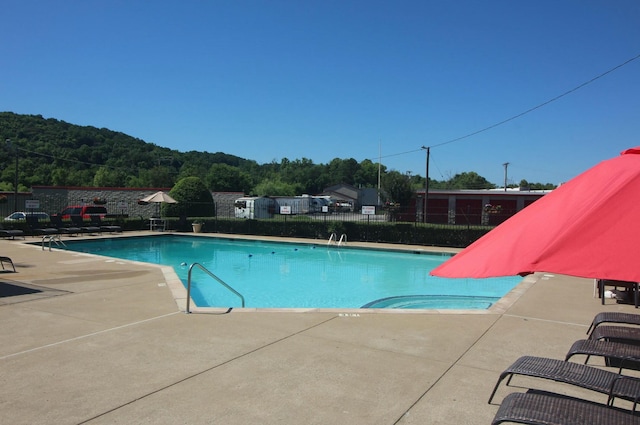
<point x="225" y="203"/>
<point x="118" y="201"/>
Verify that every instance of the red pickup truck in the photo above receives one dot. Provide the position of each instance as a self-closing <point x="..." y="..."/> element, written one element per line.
<point x="86" y="211"/>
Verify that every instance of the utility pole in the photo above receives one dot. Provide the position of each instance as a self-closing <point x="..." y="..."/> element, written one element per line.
<point x="379" y="169"/>
<point x="15" y="182"/>
<point x="506" y="164"/>
<point x="426" y="186"/>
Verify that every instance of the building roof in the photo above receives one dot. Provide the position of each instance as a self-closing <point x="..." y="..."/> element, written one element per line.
<point x="482" y="192"/>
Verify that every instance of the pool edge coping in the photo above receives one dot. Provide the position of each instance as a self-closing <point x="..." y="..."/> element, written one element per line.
<point x="179" y="291"/>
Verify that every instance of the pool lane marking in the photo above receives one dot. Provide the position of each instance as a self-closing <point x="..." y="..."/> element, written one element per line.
<point x="53" y="344"/>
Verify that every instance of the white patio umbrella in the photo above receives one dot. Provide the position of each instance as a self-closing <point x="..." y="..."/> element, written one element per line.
<point x="158" y="198"/>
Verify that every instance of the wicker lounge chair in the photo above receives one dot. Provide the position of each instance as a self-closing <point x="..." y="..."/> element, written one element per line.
<point x="625" y="334"/>
<point x="78" y="221"/>
<point x="11" y="233"/>
<point x="97" y="221"/>
<point x="616" y="354"/>
<point x="37" y="229"/>
<point x="7" y="260"/>
<point x="56" y="220"/>
<point x="613" y="317"/>
<point x="540" y="408"/>
<point x="591" y="378"/>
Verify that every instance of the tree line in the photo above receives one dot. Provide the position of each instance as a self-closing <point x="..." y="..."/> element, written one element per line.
<point x="55" y="153"/>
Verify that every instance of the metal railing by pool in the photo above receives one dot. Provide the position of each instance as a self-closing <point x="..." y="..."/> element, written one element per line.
<point x="220" y="281"/>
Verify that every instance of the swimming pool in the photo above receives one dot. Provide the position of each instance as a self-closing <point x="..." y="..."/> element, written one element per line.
<point x="296" y="275"/>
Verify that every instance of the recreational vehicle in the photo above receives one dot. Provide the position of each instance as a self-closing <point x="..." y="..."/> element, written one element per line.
<point x="254" y="207"/>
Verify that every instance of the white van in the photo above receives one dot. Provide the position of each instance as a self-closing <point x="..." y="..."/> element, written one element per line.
<point x="21" y="215"/>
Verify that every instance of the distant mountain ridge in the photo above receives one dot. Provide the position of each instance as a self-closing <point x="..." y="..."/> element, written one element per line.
<point x="54" y="152"/>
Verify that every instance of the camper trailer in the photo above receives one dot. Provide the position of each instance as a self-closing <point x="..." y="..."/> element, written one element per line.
<point x="254" y="207"/>
<point x="304" y="204"/>
<point x="296" y="204"/>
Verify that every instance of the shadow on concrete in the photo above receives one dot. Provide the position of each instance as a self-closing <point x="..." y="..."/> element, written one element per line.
<point x="11" y="290"/>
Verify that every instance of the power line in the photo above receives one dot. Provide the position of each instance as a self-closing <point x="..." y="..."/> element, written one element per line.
<point x="57" y="158"/>
<point x="525" y="112"/>
<point x="540" y="105"/>
<point x="77" y="161"/>
<point x="401" y="153"/>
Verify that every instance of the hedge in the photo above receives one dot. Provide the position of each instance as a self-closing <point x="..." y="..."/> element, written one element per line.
<point x="303" y="227"/>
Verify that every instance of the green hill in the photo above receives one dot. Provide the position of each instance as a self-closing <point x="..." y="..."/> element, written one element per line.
<point x="54" y="152"/>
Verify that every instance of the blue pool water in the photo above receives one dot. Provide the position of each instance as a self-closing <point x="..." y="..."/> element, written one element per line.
<point x="285" y="275"/>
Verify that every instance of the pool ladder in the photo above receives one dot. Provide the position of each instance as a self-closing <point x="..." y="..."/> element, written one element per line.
<point x="52" y="238"/>
<point x="220" y="281"/>
<point x="334" y="238"/>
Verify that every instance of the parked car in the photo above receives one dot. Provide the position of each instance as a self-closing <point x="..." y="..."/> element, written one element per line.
<point x="86" y="211"/>
<point x="21" y="215"/>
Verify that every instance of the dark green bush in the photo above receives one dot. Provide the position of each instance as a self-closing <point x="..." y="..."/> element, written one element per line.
<point x="194" y="199"/>
<point x="401" y="233"/>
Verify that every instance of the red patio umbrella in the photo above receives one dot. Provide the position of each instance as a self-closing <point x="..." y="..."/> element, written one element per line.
<point x="588" y="227"/>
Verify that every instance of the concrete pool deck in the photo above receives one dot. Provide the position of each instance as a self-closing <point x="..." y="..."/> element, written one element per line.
<point x="87" y="339"/>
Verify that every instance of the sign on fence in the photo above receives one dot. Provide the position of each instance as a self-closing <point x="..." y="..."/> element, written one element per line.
<point x="32" y="204"/>
<point x="368" y="210"/>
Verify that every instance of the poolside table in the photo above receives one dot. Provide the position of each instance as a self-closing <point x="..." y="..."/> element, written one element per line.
<point x="157" y="224"/>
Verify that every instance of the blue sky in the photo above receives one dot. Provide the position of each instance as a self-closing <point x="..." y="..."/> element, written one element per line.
<point x="267" y="80"/>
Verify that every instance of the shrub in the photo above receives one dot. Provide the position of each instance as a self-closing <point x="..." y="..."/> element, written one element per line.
<point x="194" y="199"/>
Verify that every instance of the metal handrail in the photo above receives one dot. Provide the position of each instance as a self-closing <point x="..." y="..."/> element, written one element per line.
<point x="54" y="238"/>
<point x="220" y="281"/>
<point x="334" y="238"/>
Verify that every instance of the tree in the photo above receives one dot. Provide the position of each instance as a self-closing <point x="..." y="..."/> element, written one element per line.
<point x="274" y="187"/>
<point x="469" y="180"/>
<point x="367" y="174"/>
<point x="53" y="152"/>
<point x="342" y="171"/>
<point x="396" y="188"/>
<point x="191" y="170"/>
<point x="106" y="177"/>
<point x="225" y="178"/>
<point x="542" y="186"/>
<point x="158" y="176"/>
<point x="194" y="199"/>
